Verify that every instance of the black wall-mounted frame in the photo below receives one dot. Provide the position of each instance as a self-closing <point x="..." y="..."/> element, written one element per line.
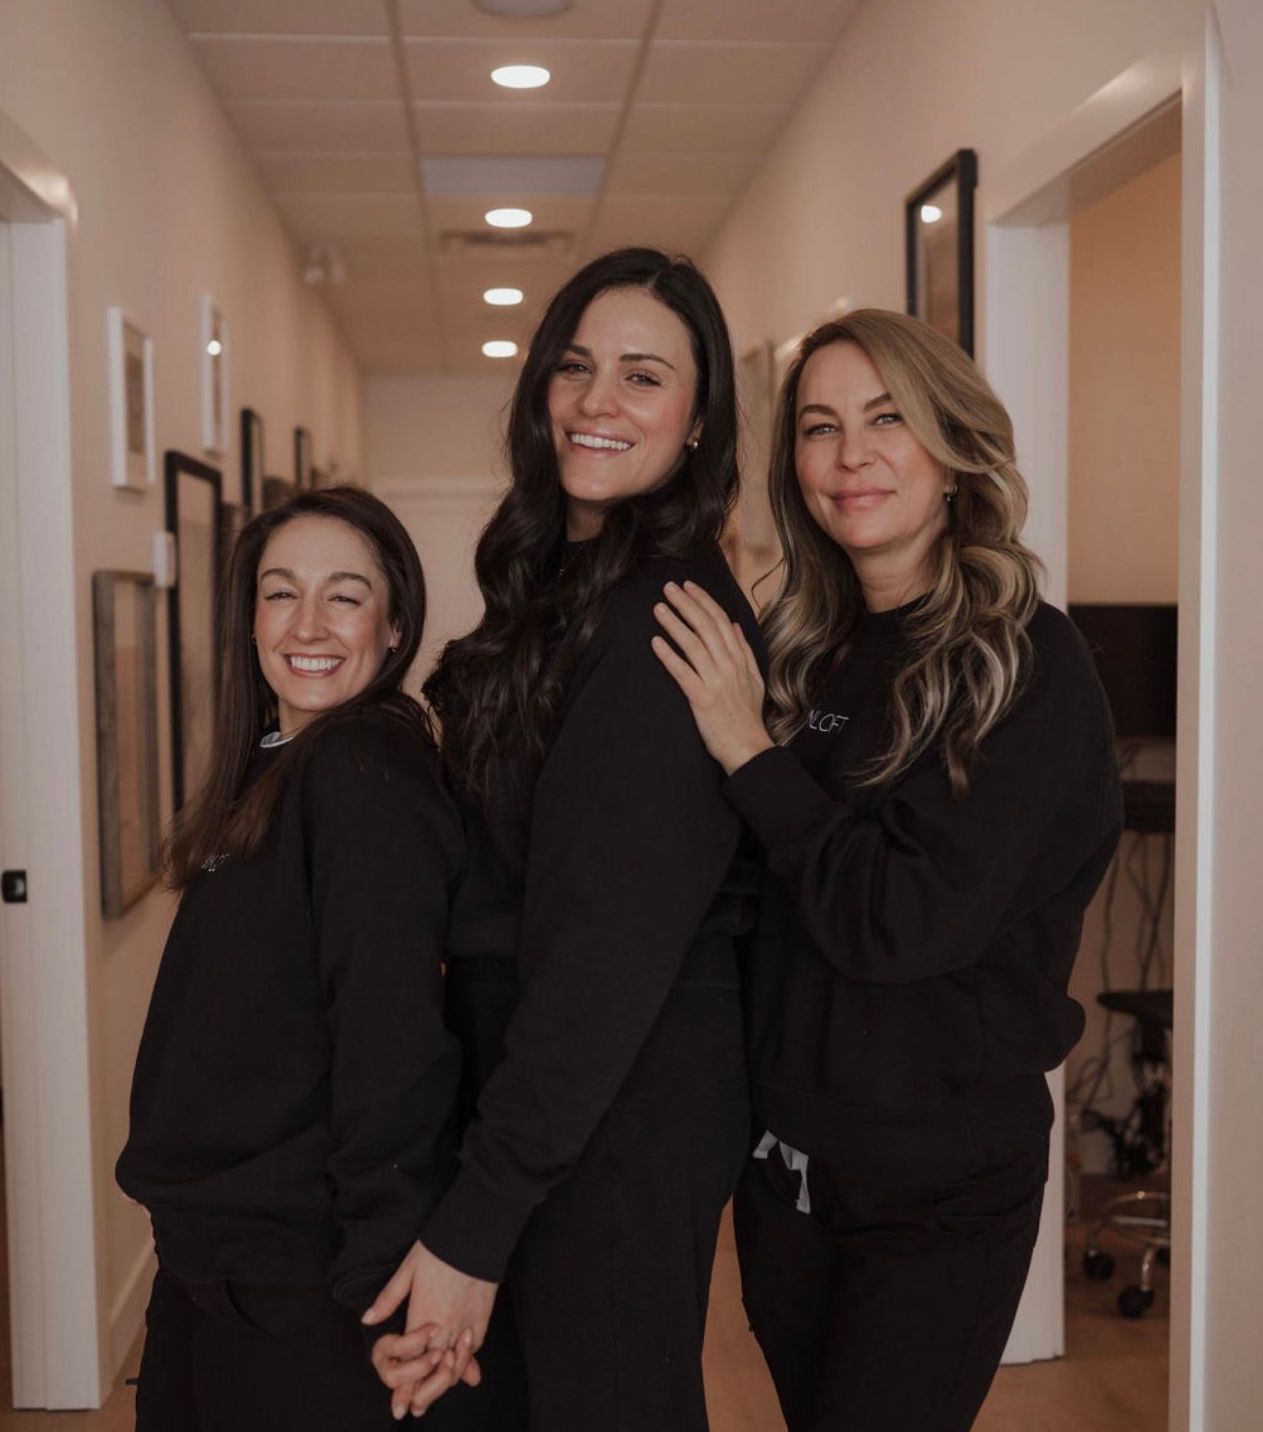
<point x="948" y="303"/>
<point x="193" y="492"/>
<point x="303" y="460"/>
<point x="252" y="464"/>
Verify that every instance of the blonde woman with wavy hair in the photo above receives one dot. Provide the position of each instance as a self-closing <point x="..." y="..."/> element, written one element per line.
<point x="931" y="774"/>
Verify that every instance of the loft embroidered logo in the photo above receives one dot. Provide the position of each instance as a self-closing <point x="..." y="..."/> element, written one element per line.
<point x="826" y="722"/>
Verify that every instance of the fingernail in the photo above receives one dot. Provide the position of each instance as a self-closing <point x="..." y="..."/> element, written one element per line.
<point x="671" y="587"/>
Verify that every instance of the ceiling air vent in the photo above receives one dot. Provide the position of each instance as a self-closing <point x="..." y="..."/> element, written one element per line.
<point x="532" y="244"/>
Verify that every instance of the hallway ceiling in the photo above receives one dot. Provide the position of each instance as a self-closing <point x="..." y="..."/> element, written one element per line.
<point x="383" y="140"/>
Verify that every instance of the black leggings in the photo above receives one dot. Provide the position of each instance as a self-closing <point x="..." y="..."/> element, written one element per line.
<point x="611" y="1279"/>
<point x="226" y="1356"/>
<point x="887" y="1309"/>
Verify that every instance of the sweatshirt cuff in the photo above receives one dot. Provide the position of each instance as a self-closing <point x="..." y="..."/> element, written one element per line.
<point x="774" y="795"/>
<point x="475" y="1229"/>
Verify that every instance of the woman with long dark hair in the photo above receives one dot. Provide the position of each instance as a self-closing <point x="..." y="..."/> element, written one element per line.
<point x="295" y="1086"/>
<point x="592" y="952"/>
<point x="932" y="777"/>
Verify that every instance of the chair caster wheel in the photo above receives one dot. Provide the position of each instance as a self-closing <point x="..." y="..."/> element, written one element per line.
<point x="1135" y="1301"/>
<point x="1098" y="1265"/>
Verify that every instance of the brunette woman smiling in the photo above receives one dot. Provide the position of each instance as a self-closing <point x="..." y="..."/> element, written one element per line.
<point x="295" y="1083"/>
<point x="933" y="780"/>
<point x="592" y="949"/>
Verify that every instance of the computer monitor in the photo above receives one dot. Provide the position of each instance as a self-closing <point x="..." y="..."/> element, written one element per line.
<point x="1135" y="651"/>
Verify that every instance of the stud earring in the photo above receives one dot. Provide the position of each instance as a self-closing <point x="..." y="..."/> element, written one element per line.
<point x="950" y="493"/>
<point x="691" y="444"/>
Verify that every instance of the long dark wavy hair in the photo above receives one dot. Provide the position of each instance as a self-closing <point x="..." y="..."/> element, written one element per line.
<point x="498" y="691"/>
<point x="226" y="817"/>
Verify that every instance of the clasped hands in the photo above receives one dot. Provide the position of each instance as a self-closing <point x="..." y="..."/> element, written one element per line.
<point x="448" y="1312"/>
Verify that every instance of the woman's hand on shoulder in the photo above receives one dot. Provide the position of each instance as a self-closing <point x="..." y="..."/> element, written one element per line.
<point x="713" y="665"/>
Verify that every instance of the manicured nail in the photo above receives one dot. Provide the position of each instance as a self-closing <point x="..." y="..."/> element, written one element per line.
<point x="671" y="587"/>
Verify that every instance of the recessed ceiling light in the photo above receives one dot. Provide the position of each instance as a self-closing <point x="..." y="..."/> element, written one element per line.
<point x="502" y="297"/>
<point x="523" y="9"/>
<point x="930" y="213"/>
<point x="509" y="218"/>
<point x="499" y="348"/>
<point x="521" y="76"/>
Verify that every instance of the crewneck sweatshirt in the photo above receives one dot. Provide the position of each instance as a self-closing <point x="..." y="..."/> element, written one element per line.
<point x="295" y="1082"/>
<point x="615" y="879"/>
<point x="909" y="979"/>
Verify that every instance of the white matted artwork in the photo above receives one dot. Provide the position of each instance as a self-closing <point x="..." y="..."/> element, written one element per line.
<point x="132" y="461"/>
<point x="214" y="355"/>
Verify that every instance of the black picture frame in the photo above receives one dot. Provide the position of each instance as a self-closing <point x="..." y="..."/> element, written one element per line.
<point x="252" y="458"/>
<point x="939" y="250"/>
<point x="125" y="646"/>
<point x="303" y="458"/>
<point x="194" y="495"/>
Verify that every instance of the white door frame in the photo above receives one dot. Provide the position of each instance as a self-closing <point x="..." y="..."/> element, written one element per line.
<point x="1027" y="356"/>
<point x="53" y="1278"/>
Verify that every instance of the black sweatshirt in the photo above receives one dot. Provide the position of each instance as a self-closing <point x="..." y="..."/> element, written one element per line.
<point x="295" y="1081"/>
<point x="914" y="949"/>
<point x="615" y="882"/>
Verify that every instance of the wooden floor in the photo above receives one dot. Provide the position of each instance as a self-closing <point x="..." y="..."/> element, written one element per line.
<point x="1112" y="1379"/>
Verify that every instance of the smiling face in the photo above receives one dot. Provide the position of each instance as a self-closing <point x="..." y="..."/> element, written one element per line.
<point x="622" y="404"/>
<point x="865" y="477"/>
<point x="322" y="617"/>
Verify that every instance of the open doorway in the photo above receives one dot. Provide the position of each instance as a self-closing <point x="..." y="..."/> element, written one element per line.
<point x="1145" y="143"/>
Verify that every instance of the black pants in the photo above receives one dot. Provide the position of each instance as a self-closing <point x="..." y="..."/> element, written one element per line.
<point x="234" y="1357"/>
<point x="887" y="1309"/>
<point x="611" y="1279"/>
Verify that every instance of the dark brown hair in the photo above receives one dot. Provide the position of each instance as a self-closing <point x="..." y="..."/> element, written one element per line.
<point x="224" y="817"/>
<point x="498" y="691"/>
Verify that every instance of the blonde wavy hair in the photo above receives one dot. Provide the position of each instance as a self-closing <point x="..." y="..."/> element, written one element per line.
<point x="969" y="653"/>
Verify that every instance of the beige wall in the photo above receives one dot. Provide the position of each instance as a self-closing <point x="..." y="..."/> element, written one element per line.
<point x="168" y="208"/>
<point x="911" y="81"/>
<point x="1125" y="392"/>
<point x="420" y="429"/>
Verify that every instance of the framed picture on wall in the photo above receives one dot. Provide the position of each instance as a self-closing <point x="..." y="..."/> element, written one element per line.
<point x="214" y="354"/>
<point x="130" y="349"/>
<point x="939" y="245"/>
<point x="125" y="644"/>
<point x="252" y="459"/>
<point x="304" y="461"/>
<point x="193" y="503"/>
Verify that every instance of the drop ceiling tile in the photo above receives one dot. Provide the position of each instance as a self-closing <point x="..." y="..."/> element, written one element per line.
<point x="379" y="357"/>
<point x="679" y="174"/>
<point x="684" y="72"/>
<point x="336" y="216"/>
<point x="384" y="256"/>
<point x="516" y="128"/>
<point x="383" y="306"/>
<point x="282" y="68"/>
<point x="818" y="20"/>
<point x="701" y="129"/>
<point x="337" y="173"/>
<point x="675" y="224"/>
<point x="584" y="20"/>
<point x="582" y="70"/>
<point x="551" y="214"/>
<point x="306" y="127"/>
<point x="283" y="17"/>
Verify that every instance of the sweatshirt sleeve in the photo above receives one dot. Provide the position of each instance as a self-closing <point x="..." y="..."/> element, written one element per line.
<point x="630" y="841"/>
<point x="384" y="847"/>
<point x="920" y="883"/>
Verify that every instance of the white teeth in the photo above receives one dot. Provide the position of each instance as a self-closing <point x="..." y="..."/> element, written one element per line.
<point x="314" y="663"/>
<point x="590" y="440"/>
